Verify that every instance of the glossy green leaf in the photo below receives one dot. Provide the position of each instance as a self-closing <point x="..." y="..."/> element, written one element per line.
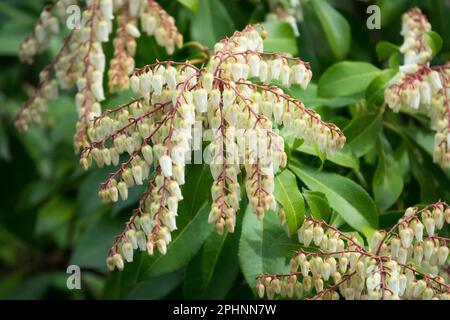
<point x="345" y="196"/>
<point x="290" y="198"/>
<point x="310" y="98"/>
<point x="186" y="242"/>
<point x="123" y="285"/>
<point x="317" y="204"/>
<point x="94" y="243"/>
<point x="280" y="37"/>
<point x="335" y="26"/>
<point x="192" y="5"/>
<point x="362" y="133"/>
<point x="375" y="90"/>
<point x="211" y="273"/>
<point x="197" y="189"/>
<point x="156" y="288"/>
<point x="211" y="23"/>
<point x="434" y="40"/>
<point x="385" y="49"/>
<point x="346" y="78"/>
<point x="344" y="159"/>
<point x="387" y="183"/>
<point x="263" y="247"/>
<point x="391" y="10"/>
<point x="53" y="219"/>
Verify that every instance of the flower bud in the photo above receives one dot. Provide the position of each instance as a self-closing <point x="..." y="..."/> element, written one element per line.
<point x="254" y="63"/>
<point x="406" y="237"/>
<point x="395" y="247"/>
<point x="132" y="30"/>
<point x="318" y="285"/>
<point x="305" y="266"/>
<point x="130" y="235"/>
<point x="376" y="241"/>
<point x="435" y="81"/>
<point x="418" y="253"/>
<point x="123" y="190"/>
<point x="276" y="68"/>
<point x="307" y="283"/>
<point x="263" y="71"/>
<point x="325" y="271"/>
<point x="118" y="261"/>
<point x="260" y="289"/>
<point x="141" y="240"/>
<point x="317" y="235"/>
<point x="110" y="263"/>
<point x="157" y="83"/>
<point x="135" y="84"/>
<point x="201" y="100"/>
<point x="147" y="153"/>
<point x="137" y="174"/>
<point x="419" y="288"/>
<point x="343" y="263"/>
<point x="298" y="290"/>
<point x="442" y="255"/>
<point x="162" y="246"/>
<point x="418" y="231"/>
<point x="166" y="165"/>
<point x="127" y="251"/>
<point x="307" y="237"/>
<point x="429" y="226"/>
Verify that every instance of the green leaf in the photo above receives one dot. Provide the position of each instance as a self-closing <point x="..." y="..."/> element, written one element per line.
<point x="211" y="23"/>
<point x="289" y="196"/>
<point x="433" y="181"/>
<point x="211" y="273"/>
<point x="318" y="204"/>
<point x="186" y="242"/>
<point x="32" y="288"/>
<point x="335" y="26"/>
<point x="197" y="189"/>
<point x="192" y="5"/>
<point x="280" y="37"/>
<point x="5" y="153"/>
<point x="122" y="285"/>
<point x="387" y="181"/>
<point x="385" y="49"/>
<point x="362" y="133"/>
<point x="375" y="90"/>
<point x="310" y="98"/>
<point x="391" y="10"/>
<point x="394" y="61"/>
<point x="263" y="247"/>
<point x="434" y="40"/>
<point x="344" y="159"/>
<point x="156" y="288"/>
<point x="14" y="13"/>
<point x="92" y="247"/>
<point x="346" y="78"/>
<point x="345" y="196"/>
<point x="53" y="219"/>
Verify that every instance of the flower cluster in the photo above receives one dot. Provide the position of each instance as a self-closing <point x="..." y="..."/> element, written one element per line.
<point x="46" y="27"/>
<point x="409" y="261"/>
<point x="158" y="129"/>
<point x="419" y="87"/>
<point x="81" y="60"/>
<point x="415" y="48"/>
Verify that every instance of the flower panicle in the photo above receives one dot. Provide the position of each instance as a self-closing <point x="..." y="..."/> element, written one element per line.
<point x="332" y="264"/>
<point x="81" y="61"/>
<point x="418" y="87"/>
<point x="47" y="26"/>
<point x="158" y="131"/>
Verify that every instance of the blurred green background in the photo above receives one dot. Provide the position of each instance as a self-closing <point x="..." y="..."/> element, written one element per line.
<point x="50" y="215"/>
